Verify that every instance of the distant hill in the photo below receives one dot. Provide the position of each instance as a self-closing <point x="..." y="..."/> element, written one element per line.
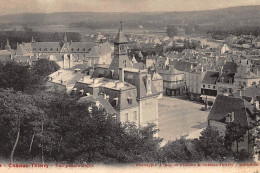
<point x="234" y="16"/>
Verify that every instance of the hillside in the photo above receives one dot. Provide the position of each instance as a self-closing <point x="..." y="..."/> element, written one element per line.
<point x="234" y="16"/>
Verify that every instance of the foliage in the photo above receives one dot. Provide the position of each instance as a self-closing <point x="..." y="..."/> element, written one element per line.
<point x="49" y="131"/>
<point x="234" y="133"/>
<point x="181" y="150"/>
<point x="19" y="77"/>
<point x="212" y="144"/>
<point x="44" y="67"/>
<point x="171" y="31"/>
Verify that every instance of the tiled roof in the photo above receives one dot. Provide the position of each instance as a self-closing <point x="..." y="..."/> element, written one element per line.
<point x="210" y="77"/>
<point x="139" y="65"/>
<point x="252" y="92"/>
<point x="226" y="77"/>
<point x="104" y="102"/>
<point x="230" y="67"/>
<point x="224" y="105"/>
<point x="45" y="46"/>
<point x="181" y="66"/>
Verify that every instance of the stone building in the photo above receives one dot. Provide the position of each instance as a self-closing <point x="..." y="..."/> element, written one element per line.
<point x="79" y="52"/>
<point x="132" y="92"/>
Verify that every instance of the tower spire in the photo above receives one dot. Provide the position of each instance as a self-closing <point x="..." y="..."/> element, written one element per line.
<point x="7" y="46"/>
<point x="121" y="24"/>
<point x="65" y="38"/>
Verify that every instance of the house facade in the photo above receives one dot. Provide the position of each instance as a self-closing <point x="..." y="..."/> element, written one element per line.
<point x="209" y="87"/>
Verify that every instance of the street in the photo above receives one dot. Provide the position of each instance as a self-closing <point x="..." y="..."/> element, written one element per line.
<point x="179" y="117"/>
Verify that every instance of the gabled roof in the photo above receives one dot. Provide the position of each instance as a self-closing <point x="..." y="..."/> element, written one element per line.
<point x="210" y="77"/>
<point x="224" y="105"/>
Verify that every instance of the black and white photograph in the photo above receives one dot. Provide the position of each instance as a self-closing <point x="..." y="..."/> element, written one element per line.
<point x="130" y="85"/>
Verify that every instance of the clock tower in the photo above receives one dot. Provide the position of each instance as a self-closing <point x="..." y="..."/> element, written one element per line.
<point x="120" y="59"/>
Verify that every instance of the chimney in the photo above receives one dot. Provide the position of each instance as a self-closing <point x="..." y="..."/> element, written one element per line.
<point x="191" y="66"/>
<point x="121" y="75"/>
<point x="95" y="80"/>
<point x="240" y="93"/>
<point x="148" y="84"/>
<point x="257" y="105"/>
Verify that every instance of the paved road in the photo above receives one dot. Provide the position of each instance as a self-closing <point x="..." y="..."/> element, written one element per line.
<point x="180" y="117"/>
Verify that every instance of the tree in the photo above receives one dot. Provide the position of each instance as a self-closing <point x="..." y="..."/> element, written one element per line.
<point x="16" y="110"/>
<point x="19" y="77"/>
<point x="181" y="150"/>
<point x="44" y="67"/>
<point x="234" y="133"/>
<point x="171" y="31"/>
<point x="212" y="144"/>
<point x="98" y="137"/>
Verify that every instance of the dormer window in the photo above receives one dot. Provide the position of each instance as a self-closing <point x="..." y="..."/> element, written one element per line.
<point x="130" y="100"/>
<point x="115" y="102"/>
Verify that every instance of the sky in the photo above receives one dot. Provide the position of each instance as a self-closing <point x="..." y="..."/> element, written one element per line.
<point x="50" y="6"/>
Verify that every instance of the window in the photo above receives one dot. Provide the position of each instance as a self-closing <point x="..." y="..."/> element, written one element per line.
<point x="203" y="86"/>
<point x="51" y="49"/>
<point x="34" y="49"/>
<point x="115" y="102"/>
<point x="45" y="49"/>
<point x="135" y="115"/>
<point x="125" y="117"/>
<point x="130" y="100"/>
<point x="208" y="86"/>
<point x="214" y="87"/>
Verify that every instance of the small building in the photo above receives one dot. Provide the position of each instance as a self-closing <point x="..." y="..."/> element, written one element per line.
<point x="228" y="109"/>
<point x="173" y="82"/>
<point x="209" y="87"/>
<point x="225" y="83"/>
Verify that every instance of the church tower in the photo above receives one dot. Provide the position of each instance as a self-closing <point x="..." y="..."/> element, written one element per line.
<point x="7" y="46"/>
<point x="120" y="59"/>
